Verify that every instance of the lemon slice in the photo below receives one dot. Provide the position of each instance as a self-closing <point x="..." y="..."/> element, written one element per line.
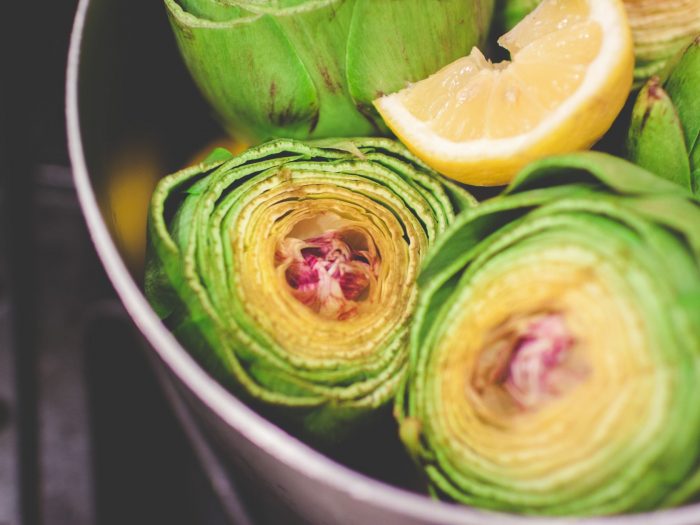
<point x="480" y="122"/>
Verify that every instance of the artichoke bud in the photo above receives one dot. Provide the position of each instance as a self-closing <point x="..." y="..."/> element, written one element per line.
<point x="554" y="355"/>
<point x="655" y="139"/>
<point x="289" y="271"/>
<point x="695" y="166"/>
<point x="311" y="68"/>
<point x="665" y="126"/>
<point x="683" y="86"/>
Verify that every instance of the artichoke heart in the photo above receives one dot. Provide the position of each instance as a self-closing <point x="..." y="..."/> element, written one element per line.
<point x="555" y="352"/>
<point x="289" y="271"/>
<point x="311" y="68"/>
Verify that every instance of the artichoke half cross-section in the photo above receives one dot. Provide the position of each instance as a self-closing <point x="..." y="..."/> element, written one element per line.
<point x="311" y="68"/>
<point x="289" y="271"/>
<point x="555" y="355"/>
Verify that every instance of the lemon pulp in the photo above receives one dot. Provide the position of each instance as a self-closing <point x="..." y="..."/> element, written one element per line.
<point x="479" y="122"/>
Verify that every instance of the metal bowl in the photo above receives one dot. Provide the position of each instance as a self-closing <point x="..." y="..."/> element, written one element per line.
<point x="133" y="115"/>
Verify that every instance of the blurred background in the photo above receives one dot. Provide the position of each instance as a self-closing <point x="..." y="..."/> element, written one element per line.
<point x="86" y="436"/>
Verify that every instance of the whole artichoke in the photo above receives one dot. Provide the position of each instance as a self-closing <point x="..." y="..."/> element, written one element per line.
<point x="289" y="271"/>
<point x="664" y="133"/>
<point x="311" y="68"/>
<point x="555" y="357"/>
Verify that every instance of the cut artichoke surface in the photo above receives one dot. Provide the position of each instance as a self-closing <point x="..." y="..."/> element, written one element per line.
<point x="661" y="28"/>
<point x="555" y="351"/>
<point x="289" y="270"/>
<point x="310" y="68"/>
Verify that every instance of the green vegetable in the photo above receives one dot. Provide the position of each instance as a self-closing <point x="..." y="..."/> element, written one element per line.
<point x="661" y="30"/>
<point x="664" y="133"/>
<point x="555" y="355"/>
<point x="509" y="12"/>
<point x="656" y="140"/>
<point x="311" y="68"/>
<point x="289" y="271"/>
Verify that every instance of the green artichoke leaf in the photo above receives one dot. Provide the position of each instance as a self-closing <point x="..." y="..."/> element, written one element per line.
<point x="289" y="272"/>
<point x="695" y="166"/>
<point x="510" y="12"/>
<point x="593" y="167"/>
<point x="218" y="155"/>
<point x="664" y="132"/>
<point x="256" y="70"/>
<point x="555" y="352"/>
<point x="683" y="86"/>
<point x="425" y="33"/>
<point x="656" y="140"/>
<point x="309" y="69"/>
<point x="319" y="39"/>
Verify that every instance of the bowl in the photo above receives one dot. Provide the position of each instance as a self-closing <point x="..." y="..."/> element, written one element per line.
<point x="134" y="115"/>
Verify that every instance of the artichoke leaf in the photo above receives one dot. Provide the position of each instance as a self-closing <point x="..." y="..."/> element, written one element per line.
<point x="309" y="69"/>
<point x="656" y="140"/>
<point x="682" y="86"/>
<point x="377" y="65"/>
<point x="555" y="360"/>
<point x="289" y="272"/>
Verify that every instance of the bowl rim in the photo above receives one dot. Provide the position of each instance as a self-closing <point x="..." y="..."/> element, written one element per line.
<point x="273" y="440"/>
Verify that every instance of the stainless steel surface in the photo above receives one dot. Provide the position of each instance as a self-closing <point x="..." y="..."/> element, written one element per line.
<point x="63" y="442"/>
<point x="90" y="433"/>
<point x="125" y="84"/>
<point x="9" y="464"/>
<point x="222" y="483"/>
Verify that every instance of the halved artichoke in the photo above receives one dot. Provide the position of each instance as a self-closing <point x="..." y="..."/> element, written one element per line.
<point x="289" y="271"/>
<point x="311" y="68"/>
<point x="555" y="357"/>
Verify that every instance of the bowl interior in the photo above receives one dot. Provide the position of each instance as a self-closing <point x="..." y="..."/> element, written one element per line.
<point x="141" y="117"/>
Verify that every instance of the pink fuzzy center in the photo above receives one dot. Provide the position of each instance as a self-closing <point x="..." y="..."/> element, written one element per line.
<point x="535" y="371"/>
<point x="327" y="273"/>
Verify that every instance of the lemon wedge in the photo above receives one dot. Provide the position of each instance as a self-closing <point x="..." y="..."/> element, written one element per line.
<point x="570" y="72"/>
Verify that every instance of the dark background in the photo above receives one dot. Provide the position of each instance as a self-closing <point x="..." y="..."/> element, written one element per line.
<point x="85" y="434"/>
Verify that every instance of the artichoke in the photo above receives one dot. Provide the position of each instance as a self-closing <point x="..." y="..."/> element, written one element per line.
<point x="554" y="363"/>
<point x="311" y="68"/>
<point x="510" y="12"/>
<point x="664" y="134"/>
<point x="289" y="271"/>
<point x="660" y="28"/>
